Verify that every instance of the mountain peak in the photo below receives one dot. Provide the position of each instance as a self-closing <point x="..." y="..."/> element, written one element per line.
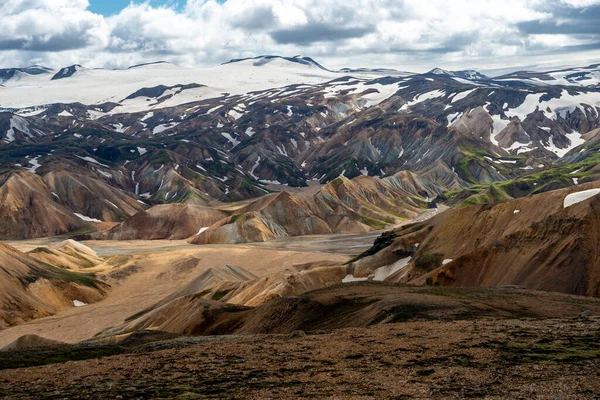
<point x="149" y="64"/>
<point x="67" y="72"/>
<point x="470" y="74"/>
<point x="266" y="59"/>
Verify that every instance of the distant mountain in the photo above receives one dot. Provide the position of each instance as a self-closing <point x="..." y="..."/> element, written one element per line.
<point x="68" y="72"/>
<point x="264" y="60"/>
<point x="7" y="74"/>
<point x="159" y="133"/>
<point x="342" y="206"/>
<point x="150" y="64"/>
<point x="380" y="71"/>
<point x="466" y="74"/>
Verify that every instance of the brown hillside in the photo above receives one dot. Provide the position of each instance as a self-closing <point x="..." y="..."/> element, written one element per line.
<point x="165" y="221"/>
<point x="532" y="241"/>
<point x="28" y="209"/>
<point x="31" y="289"/>
<point x="91" y="197"/>
<point x="342" y="206"/>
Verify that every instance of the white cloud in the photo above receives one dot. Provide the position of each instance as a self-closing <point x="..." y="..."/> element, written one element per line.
<point x="409" y="34"/>
<point x="581" y="3"/>
<point x="50" y="25"/>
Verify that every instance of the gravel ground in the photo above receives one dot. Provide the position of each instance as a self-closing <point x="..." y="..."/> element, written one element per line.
<point x="491" y="359"/>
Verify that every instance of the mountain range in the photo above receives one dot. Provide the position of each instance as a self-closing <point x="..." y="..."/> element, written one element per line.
<point x="98" y="146"/>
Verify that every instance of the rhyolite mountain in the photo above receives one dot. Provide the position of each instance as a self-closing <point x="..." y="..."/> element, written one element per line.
<point x="158" y="133"/>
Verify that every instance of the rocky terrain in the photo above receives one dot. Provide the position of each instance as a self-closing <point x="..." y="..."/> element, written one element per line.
<point x="487" y="350"/>
<point x="546" y="242"/>
<point x="270" y="228"/>
<point x="342" y="206"/>
<point x="160" y="134"/>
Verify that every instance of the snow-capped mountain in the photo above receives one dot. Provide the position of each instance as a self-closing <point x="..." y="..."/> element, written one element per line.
<point x="158" y="133"/>
<point x="7" y="74"/>
<point x="466" y="74"/>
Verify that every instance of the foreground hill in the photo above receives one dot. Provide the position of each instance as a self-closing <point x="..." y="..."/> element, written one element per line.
<point x="32" y="289"/>
<point x="547" y="242"/>
<point x="498" y="358"/>
<point x="344" y="306"/>
<point x="342" y="206"/>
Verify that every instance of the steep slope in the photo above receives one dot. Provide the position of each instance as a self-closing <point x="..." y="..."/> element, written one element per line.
<point x="165" y="221"/>
<point x="164" y="134"/>
<point x="342" y="206"/>
<point x="91" y="197"/>
<point x="542" y="242"/>
<point x="29" y="209"/>
<point x="32" y="289"/>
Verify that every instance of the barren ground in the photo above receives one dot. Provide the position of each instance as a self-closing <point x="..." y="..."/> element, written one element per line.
<point x="151" y="276"/>
<point x="492" y="359"/>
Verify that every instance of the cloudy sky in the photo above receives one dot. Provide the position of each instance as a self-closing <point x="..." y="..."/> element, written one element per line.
<point x="414" y="35"/>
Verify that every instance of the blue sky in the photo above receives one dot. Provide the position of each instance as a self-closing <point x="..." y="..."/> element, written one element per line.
<point x="111" y="7"/>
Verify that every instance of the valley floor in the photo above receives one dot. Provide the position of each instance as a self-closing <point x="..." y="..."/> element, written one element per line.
<point x="348" y="244"/>
<point x="492" y="359"/>
<point x="151" y="275"/>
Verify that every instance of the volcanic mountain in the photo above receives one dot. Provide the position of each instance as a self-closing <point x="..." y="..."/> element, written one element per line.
<point x="57" y="203"/>
<point x="545" y="242"/>
<point x="341" y="206"/>
<point x="29" y="209"/>
<point x="115" y="141"/>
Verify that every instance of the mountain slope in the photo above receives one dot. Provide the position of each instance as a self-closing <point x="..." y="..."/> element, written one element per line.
<point x="342" y="206"/>
<point x="165" y="221"/>
<point x="158" y="133"/>
<point x="534" y="241"/>
<point x="29" y="209"/>
<point x="33" y="289"/>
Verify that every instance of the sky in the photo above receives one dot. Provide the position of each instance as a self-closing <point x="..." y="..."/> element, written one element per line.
<point x="409" y="35"/>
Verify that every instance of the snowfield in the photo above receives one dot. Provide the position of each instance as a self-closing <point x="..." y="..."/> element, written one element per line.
<point x="578" y="197"/>
<point x="98" y="86"/>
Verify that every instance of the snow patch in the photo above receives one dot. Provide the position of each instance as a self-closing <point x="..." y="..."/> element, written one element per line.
<point x="350" y="278"/>
<point x="230" y="138"/>
<point x="34" y="165"/>
<point x="462" y="95"/>
<point x="382" y="273"/>
<point x="87" y="219"/>
<point x="578" y="197"/>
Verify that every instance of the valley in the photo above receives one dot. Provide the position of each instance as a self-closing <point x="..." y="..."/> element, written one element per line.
<point x="271" y="213"/>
